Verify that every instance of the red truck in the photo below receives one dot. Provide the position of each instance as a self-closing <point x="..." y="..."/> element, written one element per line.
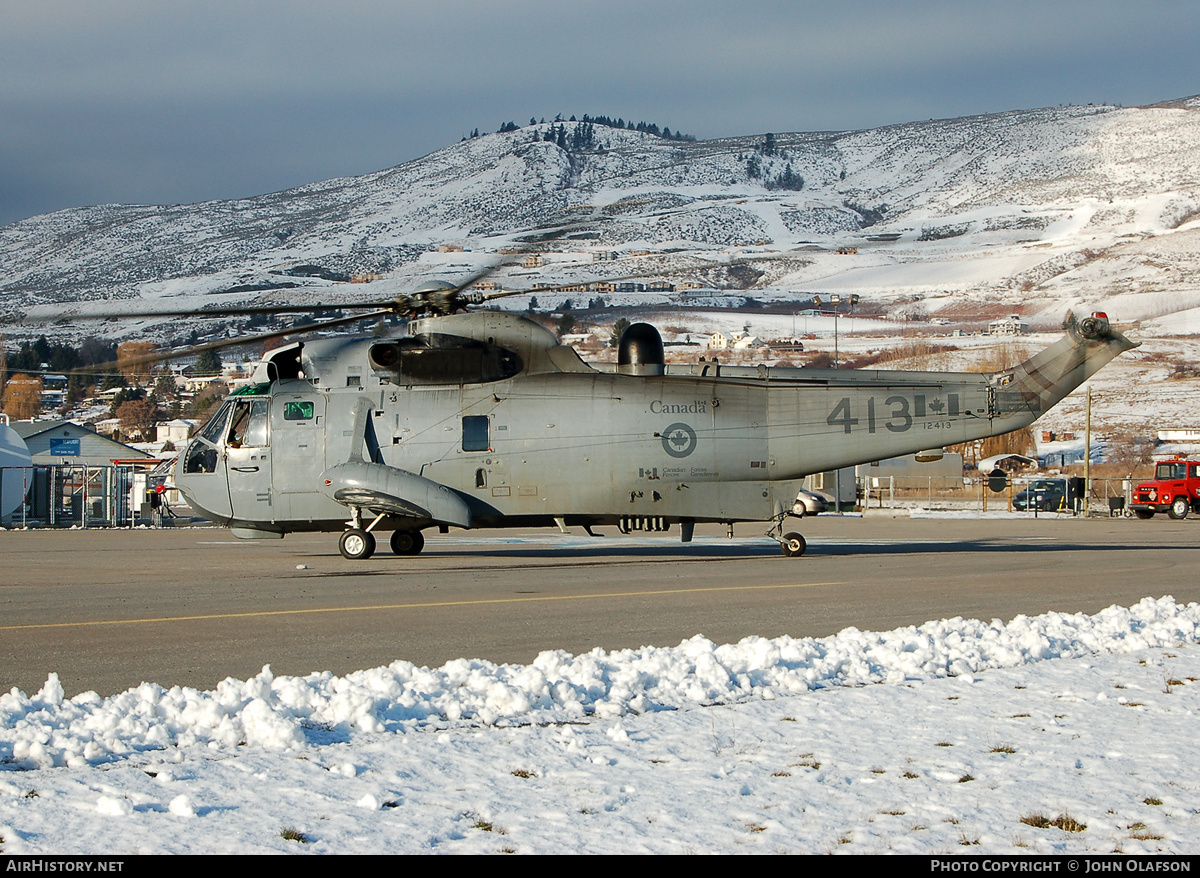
<point x="1174" y="490"/>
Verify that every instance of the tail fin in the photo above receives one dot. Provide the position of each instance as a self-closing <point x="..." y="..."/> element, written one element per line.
<point x="1025" y="392"/>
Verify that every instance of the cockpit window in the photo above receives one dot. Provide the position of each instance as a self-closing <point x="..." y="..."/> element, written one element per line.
<point x="201" y="457"/>
<point x="249" y="426"/>
<point x="213" y="431"/>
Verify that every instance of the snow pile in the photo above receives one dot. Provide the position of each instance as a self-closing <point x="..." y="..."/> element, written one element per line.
<point x="275" y="713"/>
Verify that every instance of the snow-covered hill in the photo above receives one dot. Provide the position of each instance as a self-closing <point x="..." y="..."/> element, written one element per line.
<point x="1040" y="209"/>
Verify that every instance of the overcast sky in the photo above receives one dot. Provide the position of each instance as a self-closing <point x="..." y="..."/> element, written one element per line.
<point x="150" y="102"/>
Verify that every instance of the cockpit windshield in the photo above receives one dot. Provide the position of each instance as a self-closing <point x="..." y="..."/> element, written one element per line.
<point x="213" y="430"/>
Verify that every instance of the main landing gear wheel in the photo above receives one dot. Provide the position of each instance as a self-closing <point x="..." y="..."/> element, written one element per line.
<point x="793" y="545"/>
<point x="407" y="542"/>
<point x="1180" y="508"/>
<point x="357" y="544"/>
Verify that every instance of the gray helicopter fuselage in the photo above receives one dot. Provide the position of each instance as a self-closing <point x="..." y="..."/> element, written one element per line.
<point x="403" y="431"/>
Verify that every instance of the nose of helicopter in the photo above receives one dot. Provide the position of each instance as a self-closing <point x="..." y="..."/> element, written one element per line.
<point x="206" y="492"/>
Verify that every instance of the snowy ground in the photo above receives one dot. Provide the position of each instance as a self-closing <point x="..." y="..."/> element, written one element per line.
<point x="958" y="736"/>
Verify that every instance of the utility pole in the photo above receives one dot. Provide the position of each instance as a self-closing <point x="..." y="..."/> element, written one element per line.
<point x="835" y="300"/>
<point x="1087" y="457"/>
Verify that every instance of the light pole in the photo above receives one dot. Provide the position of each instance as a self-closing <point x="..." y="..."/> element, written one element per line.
<point x="835" y="300"/>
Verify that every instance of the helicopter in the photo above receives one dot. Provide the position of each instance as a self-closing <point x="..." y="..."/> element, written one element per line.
<point x="483" y="419"/>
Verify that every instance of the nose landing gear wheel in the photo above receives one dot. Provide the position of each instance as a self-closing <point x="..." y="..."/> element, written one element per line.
<point x="407" y="542"/>
<point x="793" y="545"/>
<point x="357" y="544"/>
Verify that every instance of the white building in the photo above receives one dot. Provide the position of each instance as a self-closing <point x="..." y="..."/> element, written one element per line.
<point x="176" y="431"/>
<point x="1010" y="325"/>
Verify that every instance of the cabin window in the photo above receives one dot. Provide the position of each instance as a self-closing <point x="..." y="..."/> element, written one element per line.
<point x="249" y="427"/>
<point x="476" y="433"/>
<point x="481" y="478"/>
<point x="298" y="411"/>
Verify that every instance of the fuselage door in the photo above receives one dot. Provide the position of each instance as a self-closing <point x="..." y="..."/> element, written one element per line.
<point x="248" y="460"/>
<point x="297" y="445"/>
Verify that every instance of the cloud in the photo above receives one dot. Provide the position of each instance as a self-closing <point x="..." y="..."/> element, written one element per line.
<point x="140" y="101"/>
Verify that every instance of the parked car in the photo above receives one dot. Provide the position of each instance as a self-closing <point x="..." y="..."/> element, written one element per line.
<point x="809" y="503"/>
<point x="1049" y="495"/>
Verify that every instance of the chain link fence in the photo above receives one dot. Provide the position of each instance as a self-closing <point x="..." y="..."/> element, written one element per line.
<point x="1105" y="497"/>
<point x="85" y="496"/>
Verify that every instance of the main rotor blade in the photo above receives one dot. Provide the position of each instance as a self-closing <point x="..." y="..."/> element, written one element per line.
<point x="220" y="344"/>
<point x="701" y="265"/>
<point x="207" y="311"/>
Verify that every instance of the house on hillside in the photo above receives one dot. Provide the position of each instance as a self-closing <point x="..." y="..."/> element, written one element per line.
<point x="746" y="341"/>
<point x="1010" y="325"/>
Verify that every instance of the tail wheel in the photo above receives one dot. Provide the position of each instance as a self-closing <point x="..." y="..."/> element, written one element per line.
<point x="1180" y="507"/>
<point x="793" y="545"/>
<point x="357" y="544"/>
<point x="407" y="542"/>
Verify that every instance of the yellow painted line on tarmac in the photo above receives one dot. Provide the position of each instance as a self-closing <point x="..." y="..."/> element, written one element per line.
<point x="416" y="606"/>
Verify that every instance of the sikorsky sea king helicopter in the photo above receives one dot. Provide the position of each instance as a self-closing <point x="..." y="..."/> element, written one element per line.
<point x="482" y="419"/>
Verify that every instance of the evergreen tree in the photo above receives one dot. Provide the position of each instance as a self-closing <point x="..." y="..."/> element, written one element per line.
<point x="618" y="330"/>
<point x="208" y="363"/>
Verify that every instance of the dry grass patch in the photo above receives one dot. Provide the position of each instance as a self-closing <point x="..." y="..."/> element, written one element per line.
<point x="1067" y="823"/>
<point x="291" y="833"/>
